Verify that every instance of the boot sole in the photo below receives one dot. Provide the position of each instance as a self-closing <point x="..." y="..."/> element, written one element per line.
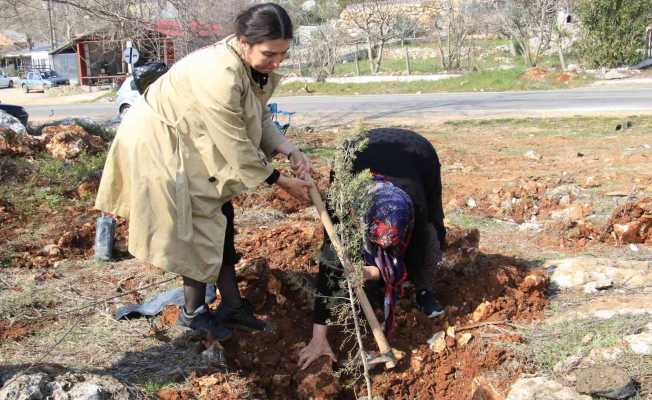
<point x="190" y="332"/>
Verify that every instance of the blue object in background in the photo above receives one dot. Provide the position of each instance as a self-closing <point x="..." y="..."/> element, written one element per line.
<point x="276" y="114"/>
<point x="104" y="237"/>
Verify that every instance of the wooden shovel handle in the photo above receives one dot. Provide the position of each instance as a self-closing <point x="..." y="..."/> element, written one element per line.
<point x="376" y="329"/>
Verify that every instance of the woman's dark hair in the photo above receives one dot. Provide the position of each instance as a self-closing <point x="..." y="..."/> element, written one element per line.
<point x="262" y="22"/>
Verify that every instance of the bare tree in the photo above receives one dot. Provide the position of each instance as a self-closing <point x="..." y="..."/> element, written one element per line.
<point x="406" y="28"/>
<point x="320" y="53"/>
<point x="531" y="24"/>
<point x="376" y="21"/>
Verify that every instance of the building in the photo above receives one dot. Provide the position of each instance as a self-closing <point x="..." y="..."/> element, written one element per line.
<point x="95" y="58"/>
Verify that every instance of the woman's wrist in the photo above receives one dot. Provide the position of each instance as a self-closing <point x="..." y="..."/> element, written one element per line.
<point x="319" y="331"/>
<point x="293" y="151"/>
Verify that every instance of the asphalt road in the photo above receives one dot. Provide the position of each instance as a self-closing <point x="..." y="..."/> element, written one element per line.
<point x="339" y="109"/>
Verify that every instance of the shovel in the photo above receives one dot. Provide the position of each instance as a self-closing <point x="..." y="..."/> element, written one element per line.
<point x="387" y="355"/>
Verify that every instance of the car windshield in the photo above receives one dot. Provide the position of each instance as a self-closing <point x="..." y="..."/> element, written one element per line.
<point x="48" y="74"/>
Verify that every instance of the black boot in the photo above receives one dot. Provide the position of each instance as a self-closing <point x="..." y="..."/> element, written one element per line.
<point x="203" y="321"/>
<point x="428" y="304"/>
<point x="242" y="318"/>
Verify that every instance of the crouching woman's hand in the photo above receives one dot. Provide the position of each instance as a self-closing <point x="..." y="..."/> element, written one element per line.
<point x="317" y="347"/>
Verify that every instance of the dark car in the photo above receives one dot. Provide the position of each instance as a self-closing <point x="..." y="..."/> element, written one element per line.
<point x="16" y="111"/>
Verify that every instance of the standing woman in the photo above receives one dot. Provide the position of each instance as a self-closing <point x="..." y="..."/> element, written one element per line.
<point x="198" y="137"/>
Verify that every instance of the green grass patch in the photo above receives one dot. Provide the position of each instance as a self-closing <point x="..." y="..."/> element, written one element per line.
<point x="567" y="127"/>
<point x="317" y="151"/>
<point x="495" y="81"/>
<point x="391" y="66"/>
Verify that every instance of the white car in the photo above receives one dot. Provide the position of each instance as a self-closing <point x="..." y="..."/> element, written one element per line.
<point x="5" y="81"/>
<point x="127" y="96"/>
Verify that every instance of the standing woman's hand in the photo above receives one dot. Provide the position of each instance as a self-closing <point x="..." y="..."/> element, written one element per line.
<point x="297" y="188"/>
<point x="300" y="164"/>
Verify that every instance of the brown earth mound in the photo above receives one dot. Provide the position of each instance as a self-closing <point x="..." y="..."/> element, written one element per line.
<point x="65" y="142"/>
<point x="631" y="223"/>
<point x="489" y="291"/>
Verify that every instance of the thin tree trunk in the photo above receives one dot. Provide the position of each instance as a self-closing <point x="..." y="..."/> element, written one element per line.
<point x="357" y="63"/>
<point x="407" y="57"/>
<point x="370" y="56"/>
<point x="562" y="59"/>
<point x="379" y="57"/>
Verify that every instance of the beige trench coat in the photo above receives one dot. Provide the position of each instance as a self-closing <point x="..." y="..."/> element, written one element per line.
<point x="199" y="136"/>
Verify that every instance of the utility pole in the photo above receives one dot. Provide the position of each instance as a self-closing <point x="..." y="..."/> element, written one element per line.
<point x="52" y="43"/>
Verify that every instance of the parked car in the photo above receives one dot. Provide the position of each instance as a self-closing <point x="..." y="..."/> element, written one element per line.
<point x="5" y="81"/>
<point x="16" y="111"/>
<point x="42" y="80"/>
<point x="127" y="95"/>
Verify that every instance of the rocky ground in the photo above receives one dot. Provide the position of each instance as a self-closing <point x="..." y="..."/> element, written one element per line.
<point x="547" y="281"/>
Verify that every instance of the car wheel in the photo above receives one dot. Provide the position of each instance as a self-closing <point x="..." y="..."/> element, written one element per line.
<point x="11" y="84"/>
<point x="25" y="89"/>
<point x="123" y="109"/>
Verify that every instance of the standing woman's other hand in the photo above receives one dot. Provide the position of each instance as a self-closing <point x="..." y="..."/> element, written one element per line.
<point x="297" y="188"/>
<point x="300" y="164"/>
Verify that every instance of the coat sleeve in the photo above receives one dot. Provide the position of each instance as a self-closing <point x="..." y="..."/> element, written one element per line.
<point x="272" y="137"/>
<point x="220" y="99"/>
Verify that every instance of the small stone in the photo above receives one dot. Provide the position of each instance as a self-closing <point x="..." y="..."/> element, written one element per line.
<point x="483" y="389"/>
<point x="51" y="250"/>
<point x="416" y="363"/>
<point x="437" y="342"/>
<point x="481" y="311"/>
<point x="564" y="201"/>
<point x="542" y="388"/>
<point x="633" y="247"/>
<point x="596" y="286"/>
<point x="605" y="381"/>
<point x="641" y="343"/>
<point x="591" y="182"/>
<point x="532" y="155"/>
<point x="568" y="364"/>
<point x="471" y="203"/>
<point x="450" y="331"/>
<point x="464" y="339"/>
<point x="588" y="338"/>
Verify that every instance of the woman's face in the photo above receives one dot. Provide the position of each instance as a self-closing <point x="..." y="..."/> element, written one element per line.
<point x="267" y="56"/>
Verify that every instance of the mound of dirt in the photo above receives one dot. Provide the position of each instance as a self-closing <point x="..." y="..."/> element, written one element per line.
<point x="631" y="223"/>
<point x="488" y="291"/>
<point x="287" y="246"/>
<point x="520" y="201"/>
<point x="275" y="198"/>
<point x="69" y="234"/>
<point x="65" y="142"/>
<point x="16" y="144"/>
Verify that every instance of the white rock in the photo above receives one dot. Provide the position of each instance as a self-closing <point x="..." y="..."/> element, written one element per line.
<point x="10" y="122"/>
<point x="633" y="247"/>
<point x="471" y="203"/>
<point x="542" y="388"/>
<point x="576" y="272"/>
<point x="532" y="155"/>
<point x="603" y="283"/>
<point x="24" y="387"/>
<point x="641" y="343"/>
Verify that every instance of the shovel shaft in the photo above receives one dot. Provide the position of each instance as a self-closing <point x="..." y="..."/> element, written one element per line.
<point x="379" y="336"/>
